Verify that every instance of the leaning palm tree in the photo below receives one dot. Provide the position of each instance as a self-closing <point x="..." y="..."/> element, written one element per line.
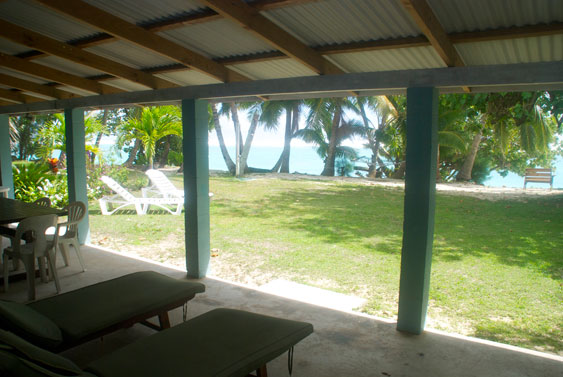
<point x="153" y="124"/>
<point x="271" y="112"/>
<point x="327" y="128"/>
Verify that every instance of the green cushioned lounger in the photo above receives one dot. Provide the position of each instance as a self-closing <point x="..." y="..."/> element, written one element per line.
<point x="222" y="342"/>
<point x="90" y="312"/>
<point x="219" y="343"/>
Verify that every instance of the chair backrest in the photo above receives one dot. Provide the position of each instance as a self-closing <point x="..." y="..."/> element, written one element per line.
<point x="162" y="183"/>
<point x="36" y="226"/>
<point x="43" y="202"/>
<point x="118" y="188"/>
<point x="76" y="212"/>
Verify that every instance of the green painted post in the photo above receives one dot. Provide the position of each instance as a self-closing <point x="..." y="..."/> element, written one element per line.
<point x="196" y="186"/>
<point x="76" y="166"/>
<point x="6" y="177"/>
<point x="418" y="223"/>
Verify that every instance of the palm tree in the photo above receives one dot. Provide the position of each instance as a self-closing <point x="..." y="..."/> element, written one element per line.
<point x="327" y="128"/>
<point x="271" y="113"/>
<point x="374" y="131"/>
<point x="215" y="123"/>
<point x="524" y="119"/>
<point x="153" y="124"/>
<point x="52" y="136"/>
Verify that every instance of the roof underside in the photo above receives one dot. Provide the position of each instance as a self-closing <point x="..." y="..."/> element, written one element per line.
<point x="93" y="53"/>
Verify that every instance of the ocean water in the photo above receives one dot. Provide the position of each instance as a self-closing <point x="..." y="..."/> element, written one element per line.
<point x="305" y="160"/>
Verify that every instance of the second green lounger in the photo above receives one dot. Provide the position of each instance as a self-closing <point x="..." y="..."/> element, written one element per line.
<point x="219" y="343"/>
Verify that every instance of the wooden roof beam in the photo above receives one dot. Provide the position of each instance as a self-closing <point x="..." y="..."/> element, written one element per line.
<point x="33" y="87"/>
<point x="430" y="26"/>
<point x="122" y="29"/>
<point x="51" y="74"/>
<point x="428" y="23"/>
<point x="51" y="46"/>
<point x="251" y="19"/>
<point x="18" y="97"/>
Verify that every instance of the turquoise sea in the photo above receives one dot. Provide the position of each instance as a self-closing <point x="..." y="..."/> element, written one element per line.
<point x="304" y="159"/>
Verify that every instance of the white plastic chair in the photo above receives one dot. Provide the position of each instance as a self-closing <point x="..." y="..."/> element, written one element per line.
<point x="32" y="230"/>
<point x="125" y="198"/>
<point x="68" y="232"/>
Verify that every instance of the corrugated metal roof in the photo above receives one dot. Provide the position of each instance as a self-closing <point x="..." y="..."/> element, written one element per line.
<point x="34" y="16"/>
<point x="389" y="60"/>
<point x="464" y="15"/>
<point x="138" y="11"/>
<point x="74" y="90"/>
<point x="11" y="48"/>
<point x="221" y="38"/>
<point x="273" y="69"/>
<point x="512" y="51"/>
<point x="23" y="76"/>
<point x="125" y="85"/>
<point x="188" y="77"/>
<point x="130" y="54"/>
<point x="67" y="66"/>
<point x="333" y="21"/>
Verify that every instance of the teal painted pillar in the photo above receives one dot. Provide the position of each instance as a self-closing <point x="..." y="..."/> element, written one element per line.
<point x="7" y="179"/>
<point x="418" y="223"/>
<point x="196" y="186"/>
<point x="76" y="166"/>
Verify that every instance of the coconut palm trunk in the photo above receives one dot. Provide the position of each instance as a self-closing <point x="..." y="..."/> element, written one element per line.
<point x="228" y="161"/>
<point x="248" y="142"/>
<point x="467" y="167"/>
<point x="328" y="169"/>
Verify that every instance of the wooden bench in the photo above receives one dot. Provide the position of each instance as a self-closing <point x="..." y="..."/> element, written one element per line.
<point x="539" y="175"/>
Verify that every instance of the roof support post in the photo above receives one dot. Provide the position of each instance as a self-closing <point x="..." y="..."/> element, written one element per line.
<point x="76" y="165"/>
<point x="196" y="186"/>
<point x="6" y="177"/>
<point x="418" y="223"/>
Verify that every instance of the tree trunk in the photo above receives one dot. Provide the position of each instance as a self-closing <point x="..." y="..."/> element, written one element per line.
<point x="165" y="152"/>
<point x="248" y="141"/>
<point x="132" y="154"/>
<point x="400" y="172"/>
<point x="284" y="168"/>
<point x="467" y="167"/>
<point x="238" y="135"/>
<point x="328" y="169"/>
<point x="228" y="161"/>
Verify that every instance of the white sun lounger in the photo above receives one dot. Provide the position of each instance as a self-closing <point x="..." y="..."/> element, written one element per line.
<point x="162" y="186"/>
<point x="125" y="198"/>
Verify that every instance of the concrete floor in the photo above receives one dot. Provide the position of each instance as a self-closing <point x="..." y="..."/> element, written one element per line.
<point x="343" y="344"/>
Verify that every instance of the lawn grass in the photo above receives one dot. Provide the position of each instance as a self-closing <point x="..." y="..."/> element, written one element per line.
<point x="497" y="266"/>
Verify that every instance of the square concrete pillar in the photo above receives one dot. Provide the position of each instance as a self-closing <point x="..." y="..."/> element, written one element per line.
<point x="418" y="223"/>
<point x="6" y="177"/>
<point x="196" y="186"/>
<point x="76" y="165"/>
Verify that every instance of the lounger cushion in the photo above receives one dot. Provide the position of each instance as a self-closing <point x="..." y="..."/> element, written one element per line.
<point x="85" y="311"/>
<point x="27" y="359"/>
<point x="29" y="324"/>
<point x="222" y="342"/>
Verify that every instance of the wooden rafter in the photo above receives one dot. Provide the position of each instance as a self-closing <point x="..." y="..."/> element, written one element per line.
<point x="122" y="29"/>
<point x="252" y="20"/>
<point x="51" y="46"/>
<point x="55" y="75"/>
<point x="428" y="23"/>
<point x="18" y="97"/>
<point x="430" y="26"/>
<point x="33" y="87"/>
